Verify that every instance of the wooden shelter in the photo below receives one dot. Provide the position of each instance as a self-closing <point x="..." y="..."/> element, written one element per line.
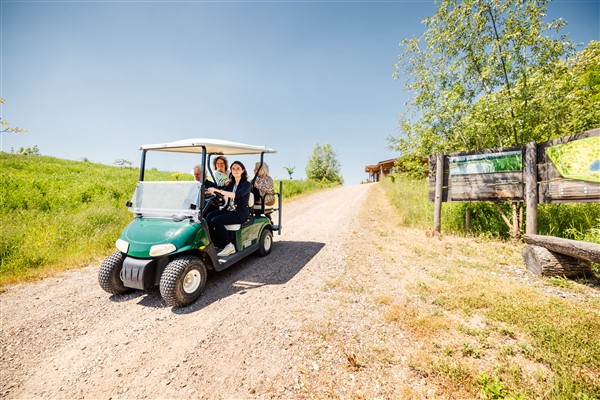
<point x="380" y="170"/>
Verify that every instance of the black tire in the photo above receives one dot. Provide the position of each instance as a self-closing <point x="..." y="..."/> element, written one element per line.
<point x="265" y="244"/>
<point x="182" y="281"/>
<point x="109" y="275"/>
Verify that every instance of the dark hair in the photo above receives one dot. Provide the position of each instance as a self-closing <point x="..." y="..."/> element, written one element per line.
<point x="244" y="173"/>
<point x="223" y="158"/>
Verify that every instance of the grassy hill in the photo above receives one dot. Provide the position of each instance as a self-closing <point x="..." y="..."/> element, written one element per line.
<point x="59" y="214"/>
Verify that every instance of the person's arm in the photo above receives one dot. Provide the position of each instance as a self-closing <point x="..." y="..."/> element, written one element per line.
<point x="222" y="192"/>
<point x="242" y="189"/>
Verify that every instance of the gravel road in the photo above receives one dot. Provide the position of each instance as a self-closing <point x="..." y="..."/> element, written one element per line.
<point x="66" y="338"/>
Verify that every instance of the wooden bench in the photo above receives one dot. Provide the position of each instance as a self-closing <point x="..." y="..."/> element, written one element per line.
<point x="553" y="256"/>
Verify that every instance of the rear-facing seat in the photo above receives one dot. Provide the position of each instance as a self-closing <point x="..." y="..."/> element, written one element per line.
<point x="258" y="208"/>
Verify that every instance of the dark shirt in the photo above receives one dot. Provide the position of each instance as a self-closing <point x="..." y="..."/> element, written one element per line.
<point x="242" y="195"/>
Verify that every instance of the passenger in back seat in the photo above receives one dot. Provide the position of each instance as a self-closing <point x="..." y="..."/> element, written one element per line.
<point x="263" y="185"/>
<point x="220" y="172"/>
<point x="263" y="188"/>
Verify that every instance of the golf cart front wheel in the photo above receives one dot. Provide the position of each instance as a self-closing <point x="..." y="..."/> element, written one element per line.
<point x="182" y="281"/>
<point x="109" y="274"/>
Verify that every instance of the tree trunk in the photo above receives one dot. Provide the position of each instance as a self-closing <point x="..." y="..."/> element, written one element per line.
<point x="514" y="225"/>
<point x="543" y="262"/>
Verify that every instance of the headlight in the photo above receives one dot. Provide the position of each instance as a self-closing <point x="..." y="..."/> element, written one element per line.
<point x="122" y="246"/>
<point x="162" y="249"/>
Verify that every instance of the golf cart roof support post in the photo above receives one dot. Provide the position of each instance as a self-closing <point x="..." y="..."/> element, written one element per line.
<point x="210" y="170"/>
<point x="280" y="205"/>
<point x="202" y="175"/>
<point x="262" y="156"/>
<point x="143" y="165"/>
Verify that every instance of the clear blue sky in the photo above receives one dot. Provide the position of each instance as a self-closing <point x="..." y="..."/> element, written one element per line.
<point x="96" y="79"/>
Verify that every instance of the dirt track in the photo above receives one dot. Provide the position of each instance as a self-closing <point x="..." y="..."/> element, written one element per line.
<point x="66" y="338"/>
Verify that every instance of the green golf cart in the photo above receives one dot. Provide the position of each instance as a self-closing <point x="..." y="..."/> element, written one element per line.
<point x="168" y="243"/>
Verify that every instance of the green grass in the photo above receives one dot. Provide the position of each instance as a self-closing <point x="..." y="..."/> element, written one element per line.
<point x="58" y="214"/>
<point x="579" y="221"/>
<point x="563" y="335"/>
<point x="559" y="334"/>
<point x="294" y="187"/>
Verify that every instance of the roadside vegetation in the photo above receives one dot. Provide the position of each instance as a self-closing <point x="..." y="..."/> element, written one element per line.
<point x="542" y="345"/>
<point x="471" y="87"/>
<point x="493" y="75"/>
<point x="448" y="316"/>
<point x="579" y="221"/>
<point x="61" y="214"/>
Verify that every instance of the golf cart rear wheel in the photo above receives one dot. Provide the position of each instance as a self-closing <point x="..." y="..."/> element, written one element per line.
<point x="109" y="275"/>
<point x="265" y="243"/>
<point x="182" y="281"/>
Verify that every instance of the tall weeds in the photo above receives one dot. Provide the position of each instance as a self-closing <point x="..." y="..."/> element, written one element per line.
<point x="580" y="221"/>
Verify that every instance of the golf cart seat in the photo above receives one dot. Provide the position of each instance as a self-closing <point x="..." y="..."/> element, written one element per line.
<point x="235" y="227"/>
<point x="258" y="209"/>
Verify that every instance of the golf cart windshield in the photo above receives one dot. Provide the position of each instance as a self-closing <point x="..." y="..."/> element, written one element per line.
<point x="166" y="199"/>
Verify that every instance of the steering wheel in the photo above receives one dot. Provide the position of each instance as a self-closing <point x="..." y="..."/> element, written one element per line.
<point x="217" y="199"/>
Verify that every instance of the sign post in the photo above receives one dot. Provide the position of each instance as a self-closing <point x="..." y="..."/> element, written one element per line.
<point x="531" y="188"/>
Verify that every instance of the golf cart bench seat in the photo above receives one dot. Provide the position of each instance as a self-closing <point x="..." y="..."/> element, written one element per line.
<point x="236" y="227"/>
<point x="268" y="209"/>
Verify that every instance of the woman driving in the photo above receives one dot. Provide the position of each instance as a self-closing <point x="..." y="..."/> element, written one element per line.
<point x="237" y="192"/>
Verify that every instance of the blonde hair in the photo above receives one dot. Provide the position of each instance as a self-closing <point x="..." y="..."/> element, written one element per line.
<point x="264" y="170"/>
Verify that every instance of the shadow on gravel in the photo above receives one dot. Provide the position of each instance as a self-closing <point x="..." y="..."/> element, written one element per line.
<point x="286" y="259"/>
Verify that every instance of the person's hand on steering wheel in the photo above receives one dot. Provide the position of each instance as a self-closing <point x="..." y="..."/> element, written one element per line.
<point x="217" y="198"/>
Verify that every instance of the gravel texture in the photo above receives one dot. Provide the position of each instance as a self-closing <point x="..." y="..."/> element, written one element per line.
<point x="64" y="337"/>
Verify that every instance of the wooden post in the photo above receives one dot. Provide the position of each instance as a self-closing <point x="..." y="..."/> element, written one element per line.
<point x="467" y="220"/>
<point x="439" y="184"/>
<point x="531" y="188"/>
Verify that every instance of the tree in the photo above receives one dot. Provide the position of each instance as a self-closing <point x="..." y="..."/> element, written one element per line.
<point x="475" y="50"/>
<point x="323" y="165"/>
<point x="479" y="81"/>
<point x="29" y="151"/>
<point x="121" y="162"/>
<point x="6" y="128"/>
<point x="290" y="170"/>
<point x="564" y="105"/>
<point x="570" y="103"/>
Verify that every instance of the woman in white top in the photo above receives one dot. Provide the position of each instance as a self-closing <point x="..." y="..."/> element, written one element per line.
<point x="220" y="171"/>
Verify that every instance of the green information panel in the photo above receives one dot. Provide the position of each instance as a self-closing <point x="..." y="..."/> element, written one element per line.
<point x="504" y="161"/>
<point x="579" y="159"/>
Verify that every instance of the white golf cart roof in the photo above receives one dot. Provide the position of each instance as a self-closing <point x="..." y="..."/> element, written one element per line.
<point x="213" y="146"/>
